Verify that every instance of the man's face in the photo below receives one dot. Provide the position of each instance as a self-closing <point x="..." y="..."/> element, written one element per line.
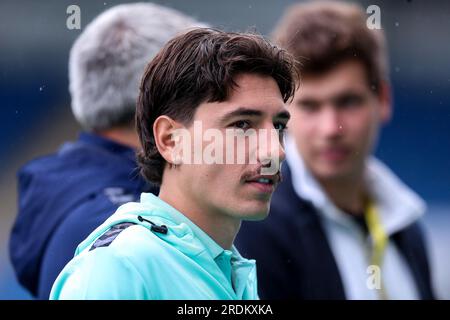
<point x="335" y="120"/>
<point x="237" y="188"/>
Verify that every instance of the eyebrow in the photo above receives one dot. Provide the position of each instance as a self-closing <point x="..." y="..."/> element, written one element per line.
<point x="308" y="101"/>
<point x="333" y="98"/>
<point x="241" y="112"/>
<point x="252" y="113"/>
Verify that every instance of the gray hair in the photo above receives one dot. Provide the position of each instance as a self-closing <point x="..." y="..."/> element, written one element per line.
<point x="108" y="60"/>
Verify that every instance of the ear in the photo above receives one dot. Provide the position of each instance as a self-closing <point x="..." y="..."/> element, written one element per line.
<point x="163" y="129"/>
<point x="384" y="98"/>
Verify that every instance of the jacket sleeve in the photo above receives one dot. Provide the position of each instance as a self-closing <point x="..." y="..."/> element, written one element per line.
<point x="101" y="274"/>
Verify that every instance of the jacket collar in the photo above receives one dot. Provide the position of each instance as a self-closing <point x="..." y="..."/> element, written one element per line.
<point x="232" y="265"/>
<point x="107" y="144"/>
<point x="397" y="204"/>
<point x="226" y="265"/>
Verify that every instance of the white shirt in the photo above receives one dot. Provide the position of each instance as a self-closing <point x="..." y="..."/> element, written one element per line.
<point x="397" y="205"/>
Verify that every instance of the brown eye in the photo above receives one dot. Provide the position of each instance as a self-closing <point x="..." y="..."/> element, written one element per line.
<point x="241" y="124"/>
<point x="349" y="101"/>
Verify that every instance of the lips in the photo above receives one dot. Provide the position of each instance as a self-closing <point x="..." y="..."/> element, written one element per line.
<point x="334" y="154"/>
<point x="264" y="183"/>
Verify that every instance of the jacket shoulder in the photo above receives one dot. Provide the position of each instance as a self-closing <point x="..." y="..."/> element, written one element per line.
<point x="101" y="274"/>
<point x="113" y="266"/>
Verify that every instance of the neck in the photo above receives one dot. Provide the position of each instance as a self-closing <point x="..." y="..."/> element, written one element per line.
<point x="125" y="136"/>
<point x="217" y="225"/>
<point x="348" y="194"/>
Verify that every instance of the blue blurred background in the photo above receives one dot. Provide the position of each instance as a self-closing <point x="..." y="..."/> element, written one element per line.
<point x="36" y="118"/>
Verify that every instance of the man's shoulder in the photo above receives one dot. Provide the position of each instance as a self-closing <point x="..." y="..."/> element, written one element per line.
<point x="132" y="241"/>
<point x="129" y="238"/>
<point x="104" y="273"/>
<point x="41" y="163"/>
<point x="126" y="253"/>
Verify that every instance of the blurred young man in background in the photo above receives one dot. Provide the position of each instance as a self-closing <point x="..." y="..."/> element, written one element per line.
<point x="341" y="225"/>
<point x="64" y="196"/>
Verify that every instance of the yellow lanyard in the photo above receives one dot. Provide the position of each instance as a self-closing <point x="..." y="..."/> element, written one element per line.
<point x="379" y="239"/>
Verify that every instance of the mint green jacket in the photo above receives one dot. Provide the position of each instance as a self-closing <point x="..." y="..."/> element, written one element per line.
<point x="128" y="257"/>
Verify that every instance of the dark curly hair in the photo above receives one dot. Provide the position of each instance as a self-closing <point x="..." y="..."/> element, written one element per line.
<point x="200" y="66"/>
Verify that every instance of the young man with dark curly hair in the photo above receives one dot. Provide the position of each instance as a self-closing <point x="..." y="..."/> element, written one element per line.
<point x="179" y="245"/>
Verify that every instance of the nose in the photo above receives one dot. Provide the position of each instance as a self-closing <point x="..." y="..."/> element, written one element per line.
<point x="271" y="151"/>
<point x="330" y="124"/>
